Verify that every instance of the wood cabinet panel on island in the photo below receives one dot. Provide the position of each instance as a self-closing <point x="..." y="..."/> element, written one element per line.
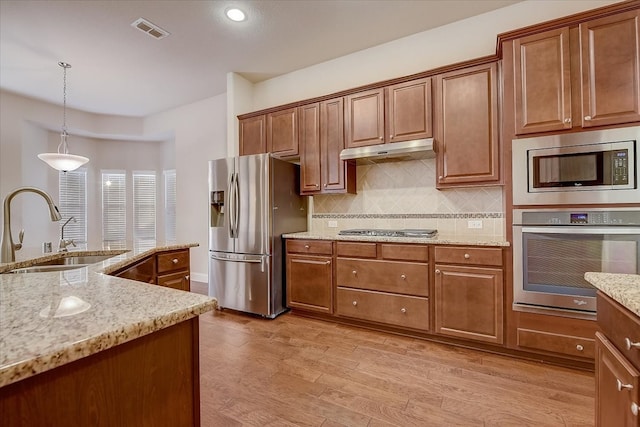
<point x="466" y="127"/>
<point x="170" y="269"/>
<point x="577" y="76"/>
<point x="400" y="112"/>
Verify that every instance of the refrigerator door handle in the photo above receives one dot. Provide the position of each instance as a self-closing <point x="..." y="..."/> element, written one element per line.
<point x="236" y="207"/>
<point x="232" y="228"/>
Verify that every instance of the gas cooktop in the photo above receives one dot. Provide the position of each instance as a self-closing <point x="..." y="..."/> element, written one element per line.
<point x="416" y="232"/>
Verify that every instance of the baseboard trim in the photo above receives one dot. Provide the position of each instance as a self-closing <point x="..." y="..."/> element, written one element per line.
<point x="200" y="277"/>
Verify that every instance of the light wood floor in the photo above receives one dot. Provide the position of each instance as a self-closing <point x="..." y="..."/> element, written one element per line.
<point x="294" y="371"/>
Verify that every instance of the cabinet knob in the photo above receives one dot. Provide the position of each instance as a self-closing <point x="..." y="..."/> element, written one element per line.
<point x="403" y="277"/>
<point x="567" y="120"/>
<point x="620" y="385"/>
<point x="403" y="310"/>
<point x="325" y="185"/>
<point x="440" y="177"/>
<point x="306" y="246"/>
<point x="630" y="344"/>
<point x="328" y="262"/>
<point x="391" y="136"/>
<point x="175" y="260"/>
<point x="634" y="408"/>
<point x="355" y="273"/>
<point x="381" y="138"/>
<point x="187" y="277"/>
<point x="437" y="271"/>
<point x="467" y="256"/>
<point x="355" y="303"/>
<point x="579" y="347"/>
<point x="587" y="118"/>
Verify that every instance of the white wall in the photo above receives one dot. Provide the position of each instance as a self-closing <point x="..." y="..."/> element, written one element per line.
<point x="200" y="135"/>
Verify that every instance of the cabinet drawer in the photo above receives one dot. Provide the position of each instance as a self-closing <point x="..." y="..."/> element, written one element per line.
<point x="469" y="255"/>
<point x="172" y="261"/>
<point x="621" y="327"/>
<point x="321" y="247"/>
<point x="179" y="280"/>
<point x="398" y="310"/>
<point x="556" y="343"/>
<point x="356" y="250"/>
<point x="404" y="252"/>
<point x="389" y="276"/>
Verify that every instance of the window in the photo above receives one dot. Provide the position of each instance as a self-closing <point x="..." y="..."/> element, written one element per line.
<point x="144" y="209"/>
<point x="72" y="203"/>
<point x="114" y="207"/>
<point x="170" y="205"/>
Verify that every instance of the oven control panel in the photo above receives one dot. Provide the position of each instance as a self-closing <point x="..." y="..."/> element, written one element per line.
<point x="558" y="218"/>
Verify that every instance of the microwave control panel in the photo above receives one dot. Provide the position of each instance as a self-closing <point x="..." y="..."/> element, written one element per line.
<point x="587" y="217"/>
<point x="620" y="160"/>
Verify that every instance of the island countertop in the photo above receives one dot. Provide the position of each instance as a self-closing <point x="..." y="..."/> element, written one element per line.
<point x="623" y="288"/>
<point x="50" y="319"/>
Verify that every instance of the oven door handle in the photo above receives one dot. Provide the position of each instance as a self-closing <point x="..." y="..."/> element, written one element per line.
<point x="581" y="230"/>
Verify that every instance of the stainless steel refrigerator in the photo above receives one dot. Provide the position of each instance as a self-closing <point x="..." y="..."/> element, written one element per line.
<point x="253" y="201"/>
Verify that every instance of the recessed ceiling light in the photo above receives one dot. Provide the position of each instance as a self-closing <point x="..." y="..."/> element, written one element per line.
<point x="236" y="15"/>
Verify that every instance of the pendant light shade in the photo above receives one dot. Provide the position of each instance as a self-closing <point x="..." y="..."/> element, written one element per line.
<point x="62" y="160"/>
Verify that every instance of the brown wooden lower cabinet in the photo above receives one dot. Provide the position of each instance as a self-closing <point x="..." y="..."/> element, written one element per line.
<point x="153" y="380"/>
<point x="309" y="282"/>
<point x="169" y="269"/>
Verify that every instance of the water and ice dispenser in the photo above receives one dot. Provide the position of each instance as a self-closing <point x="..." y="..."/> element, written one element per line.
<point x="217" y="209"/>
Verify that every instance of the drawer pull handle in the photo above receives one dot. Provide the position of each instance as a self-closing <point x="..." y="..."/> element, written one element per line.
<point x="634" y="408"/>
<point x="403" y="277"/>
<point x="306" y="246"/>
<point x="403" y="310"/>
<point x="630" y="344"/>
<point x="579" y="347"/>
<point x="437" y="271"/>
<point x="467" y="256"/>
<point x="355" y="303"/>
<point x="620" y="385"/>
<point x="175" y="260"/>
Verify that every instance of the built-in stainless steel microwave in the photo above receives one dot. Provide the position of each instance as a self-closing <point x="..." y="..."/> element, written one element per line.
<point x="578" y="168"/>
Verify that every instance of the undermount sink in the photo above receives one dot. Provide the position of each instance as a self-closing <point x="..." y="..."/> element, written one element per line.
<point x="46" y="268"/>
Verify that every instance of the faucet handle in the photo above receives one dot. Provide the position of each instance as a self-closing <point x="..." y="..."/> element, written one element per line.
<point x="18" y="246"/>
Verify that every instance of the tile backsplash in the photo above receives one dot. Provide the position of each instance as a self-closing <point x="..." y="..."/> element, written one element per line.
<point x="402" y="194"/>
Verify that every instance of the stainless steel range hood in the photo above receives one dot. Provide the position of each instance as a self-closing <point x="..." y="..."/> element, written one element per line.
<point x="394" y="151"/>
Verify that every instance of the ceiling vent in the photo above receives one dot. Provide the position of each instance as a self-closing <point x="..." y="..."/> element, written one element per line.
<point x="150" y="28"/>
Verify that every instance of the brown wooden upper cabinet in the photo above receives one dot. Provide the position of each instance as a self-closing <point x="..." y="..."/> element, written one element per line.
<point x="276" y="133"/>
<point x="466" y="127"/>
<point x="321" y="141"/>
<point x="577" y="77"/>
<point x="395" y="113"/>
<point x="253" y="135"/>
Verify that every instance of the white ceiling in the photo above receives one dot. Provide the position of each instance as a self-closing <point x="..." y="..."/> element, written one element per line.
<point x="116" y="69"/>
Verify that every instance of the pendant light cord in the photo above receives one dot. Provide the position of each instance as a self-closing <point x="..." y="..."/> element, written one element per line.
<point x="63" y="136"/>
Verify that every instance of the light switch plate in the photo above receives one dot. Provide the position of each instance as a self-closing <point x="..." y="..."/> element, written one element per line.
<point x="332" y="224"/>
<point x="474" y="223"/>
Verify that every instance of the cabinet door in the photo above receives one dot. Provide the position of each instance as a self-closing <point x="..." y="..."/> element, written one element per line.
<point x="310" y="149"/>
<point x="337" y="175"/>
<point x="282" y="133"/>
<point x="409" y="111"/>
<point x="142" y="271"/>
<point x="542" y="71"/>
<point x="610" y="70"/>
<point x="617" y="382"/>
<point x="309" y="283"/>
<point x="253" y="136"/>
<point x="179" y="280"/>
<point x="364" y="118"/>
<point x="467" y="126"/>
<point x="468" y="303"/>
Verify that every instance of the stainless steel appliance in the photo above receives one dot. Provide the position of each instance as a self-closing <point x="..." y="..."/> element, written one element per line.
<point x="408" y="232"/>
<point x="552" y="249"/>
<point x="253" y="201"/>
<point x="577" y="168"/>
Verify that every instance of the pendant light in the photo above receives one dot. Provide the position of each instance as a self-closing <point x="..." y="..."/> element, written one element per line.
<point x="62" y="160"/>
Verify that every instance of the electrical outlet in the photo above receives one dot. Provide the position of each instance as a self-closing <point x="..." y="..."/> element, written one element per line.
<point x="333" y="224"/>
<point x="474" y="223"/>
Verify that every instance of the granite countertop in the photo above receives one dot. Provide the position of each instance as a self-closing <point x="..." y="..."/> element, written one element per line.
<point x="50" y="319"/>
<point x="437" y="240"/>
<point x="623" y="288"/>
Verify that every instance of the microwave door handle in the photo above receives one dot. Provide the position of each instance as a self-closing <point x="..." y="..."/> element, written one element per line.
<point x="582" y="230"/>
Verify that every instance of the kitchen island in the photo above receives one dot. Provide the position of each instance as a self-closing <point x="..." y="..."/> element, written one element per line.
<point x="80" y="347"/>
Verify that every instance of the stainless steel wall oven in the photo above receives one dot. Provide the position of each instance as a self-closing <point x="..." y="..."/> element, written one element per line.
<point x="552" y="249"/>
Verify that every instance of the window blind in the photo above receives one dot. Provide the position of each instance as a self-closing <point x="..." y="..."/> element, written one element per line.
<point x="114" y="206"/>
<point x="72" y="202"/>
<point x="144" y="207"/>
<point x="170" y="205"/>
